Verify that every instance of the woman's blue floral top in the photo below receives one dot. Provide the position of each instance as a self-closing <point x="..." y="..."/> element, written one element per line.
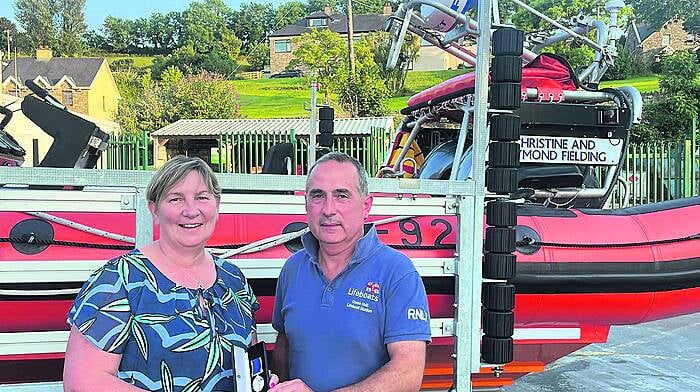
<point x="169" y="339"/>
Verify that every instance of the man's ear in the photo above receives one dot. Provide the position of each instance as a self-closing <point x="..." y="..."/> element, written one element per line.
<point x="366" y="206"/>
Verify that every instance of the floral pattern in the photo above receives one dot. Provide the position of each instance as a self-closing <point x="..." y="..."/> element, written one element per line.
<point x="168" y="340"/>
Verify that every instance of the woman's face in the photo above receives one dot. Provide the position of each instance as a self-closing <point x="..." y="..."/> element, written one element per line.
<point x="187" y="213"/>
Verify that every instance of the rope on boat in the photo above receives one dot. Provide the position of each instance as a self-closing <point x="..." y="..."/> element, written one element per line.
<point x="39" y="241"/>
<point x="223" y="251"/>
<point x="530" y="241"/>
<point x="271" y="242"/>
<point x="81" y="227"/>
<point x="36" y="293"/>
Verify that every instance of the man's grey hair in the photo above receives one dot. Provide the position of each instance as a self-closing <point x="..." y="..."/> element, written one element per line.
<point x="342" y="157"/>
<point x="174" y="170"/>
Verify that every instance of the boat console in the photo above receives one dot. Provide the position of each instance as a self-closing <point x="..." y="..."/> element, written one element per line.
<point x="571" y="135"/>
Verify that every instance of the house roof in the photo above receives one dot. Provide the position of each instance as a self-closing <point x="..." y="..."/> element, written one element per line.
<point x="343" y="126"/>
<point x="644" y="31"/>
<point x="82" y="71"/>
<point x="337" y="22"/>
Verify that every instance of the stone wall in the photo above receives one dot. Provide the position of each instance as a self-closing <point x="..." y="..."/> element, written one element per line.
<point x="674" y="30"/>
<point x="279" y="61"/>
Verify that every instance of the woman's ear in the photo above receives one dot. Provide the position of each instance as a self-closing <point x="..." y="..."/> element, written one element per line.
<point x="154" y="211"/>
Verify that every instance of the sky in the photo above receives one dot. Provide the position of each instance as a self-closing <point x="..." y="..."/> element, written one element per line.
<point x="97" y="10"/>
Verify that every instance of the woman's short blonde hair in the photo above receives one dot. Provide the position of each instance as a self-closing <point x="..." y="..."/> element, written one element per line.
<point x="176" y="169"/>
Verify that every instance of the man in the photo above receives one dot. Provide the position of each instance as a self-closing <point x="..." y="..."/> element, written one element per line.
<point x="350" y="312"/>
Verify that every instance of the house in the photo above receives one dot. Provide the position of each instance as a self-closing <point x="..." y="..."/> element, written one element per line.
<point x="282" y="41"/>
<point x="665" y="40"/>
<point x="83" y="85"/>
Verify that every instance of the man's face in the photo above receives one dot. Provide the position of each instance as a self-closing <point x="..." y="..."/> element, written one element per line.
<point x="335" y="209"/>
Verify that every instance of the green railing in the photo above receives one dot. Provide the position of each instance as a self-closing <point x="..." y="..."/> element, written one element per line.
<point x="127" y="152"/>
<point x="245" y="152"/>
<point x="660" y="171"/>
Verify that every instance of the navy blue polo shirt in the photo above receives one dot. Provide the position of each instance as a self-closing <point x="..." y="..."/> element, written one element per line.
<point x="338" y="331"/>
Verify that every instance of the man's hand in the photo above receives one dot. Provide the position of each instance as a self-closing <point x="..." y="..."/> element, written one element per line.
<point x="295" y="385"/>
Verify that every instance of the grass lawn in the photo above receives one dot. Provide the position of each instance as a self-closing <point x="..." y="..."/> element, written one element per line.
<point x="274" y="98"/>
<point x="285" y="98"/>
<point x="644" y="84"/>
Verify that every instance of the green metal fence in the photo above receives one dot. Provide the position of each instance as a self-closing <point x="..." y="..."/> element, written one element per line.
<point x="660" y="171"/>
<point x="245" y="152"/>
<point x="127" y="152"/>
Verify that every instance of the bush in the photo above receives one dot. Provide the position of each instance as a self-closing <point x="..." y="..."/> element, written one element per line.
<point x="259" y="57"/>
<point x="364" y="98"/>
<point x="365" y="94"/>
<point x="669" y="116"/>
<point x="190" y="62"/>
<point x="158" y="103"/>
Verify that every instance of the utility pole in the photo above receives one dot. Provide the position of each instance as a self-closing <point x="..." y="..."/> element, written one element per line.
<point x="351" y="33"/>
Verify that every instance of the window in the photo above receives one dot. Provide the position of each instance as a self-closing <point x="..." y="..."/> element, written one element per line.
<point x="356" y="37"/>
<point x="104" y="103"/>
<point x="666" y="40"/>
<point x="68" y="97"/>
<point x="283" y="46"/>
<point x="318" y="22"/>
<point x="14" y="92"/>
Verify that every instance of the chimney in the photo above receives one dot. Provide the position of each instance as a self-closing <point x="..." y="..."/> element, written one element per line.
<point x="44" y="53"/>
<point x="387" y="9"/>
<point x="327" y="9"/>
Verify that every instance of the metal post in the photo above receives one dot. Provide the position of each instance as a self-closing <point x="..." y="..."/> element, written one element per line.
<point x="471" y="211"/>
<point x="351" y="49"/>
<point x="693" y="162"/>
<point x="35" y="152"/>
<point x="144" y="151"/>
<point x="293" y="140"/>
<point x="144" y="220"/>
<point x="313" y="125"/>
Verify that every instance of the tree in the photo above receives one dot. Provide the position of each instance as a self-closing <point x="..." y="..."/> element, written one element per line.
<point x="59" y="24"/>
<point x="288" y="13"/>
<point x="323" y="53"/>
<point x="206" y="25"/>
<point x="655" y="13"/>
<point x="670" y="117"/>
<point x="252" y="24"/>
<point x="36" y="17"/>
<point x="364" y="94"/>
<point x="120" y="35"/>
<point x="6" y="25"/>
<point x="394" y="79"/>
<point x="70" y="20"/>
<point x="163" y="32"/>
<point x="150" y="105"/>
<point x="364" y="7"/>
<point x="189" y="61"/>
<point x="318" y="5"/>
<point x="259" y="57"/>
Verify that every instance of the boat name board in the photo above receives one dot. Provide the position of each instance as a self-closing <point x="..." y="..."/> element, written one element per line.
<point x="574" y="150"/>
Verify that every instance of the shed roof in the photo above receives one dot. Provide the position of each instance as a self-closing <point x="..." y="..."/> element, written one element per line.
<point x="202" y="128"/>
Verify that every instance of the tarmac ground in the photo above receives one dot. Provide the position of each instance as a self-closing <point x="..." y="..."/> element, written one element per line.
<point x="659" y="356"/>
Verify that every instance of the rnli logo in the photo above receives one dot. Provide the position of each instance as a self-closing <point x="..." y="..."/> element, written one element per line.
<point x="372" y="288"/>
<point x="417" y="314"/>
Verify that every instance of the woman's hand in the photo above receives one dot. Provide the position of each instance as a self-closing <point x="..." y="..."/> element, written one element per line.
<point x="295" y="385"/>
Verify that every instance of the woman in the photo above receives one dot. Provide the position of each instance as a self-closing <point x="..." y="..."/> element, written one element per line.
<point x="164" y="317"/>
